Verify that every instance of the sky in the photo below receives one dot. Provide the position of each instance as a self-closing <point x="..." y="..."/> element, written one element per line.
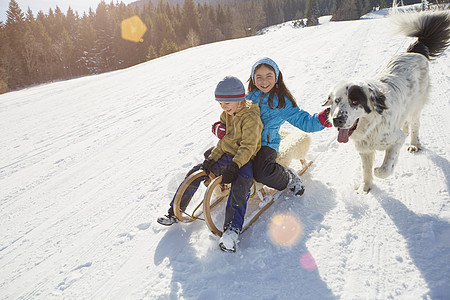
<point x="36" y="5"/>
<point x="87" y="166"/>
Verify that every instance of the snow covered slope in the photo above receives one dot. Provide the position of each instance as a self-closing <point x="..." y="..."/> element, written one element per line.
<point x="87" y="165"/>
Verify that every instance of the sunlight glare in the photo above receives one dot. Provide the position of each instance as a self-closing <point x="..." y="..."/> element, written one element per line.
<point x="285" y="230"/>
<point x="133" y="29"/>
<point x="307" y="261"/>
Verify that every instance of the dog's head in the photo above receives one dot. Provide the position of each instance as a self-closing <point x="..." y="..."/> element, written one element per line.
<point x="351" y="101"/>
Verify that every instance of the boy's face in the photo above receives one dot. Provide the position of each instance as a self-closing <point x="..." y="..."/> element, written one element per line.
<point x="230" y="107"/>
<point x="264" y="79"/>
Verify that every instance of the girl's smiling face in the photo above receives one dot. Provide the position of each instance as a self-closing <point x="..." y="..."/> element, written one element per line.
<point x="230" y="107"/>
<point x="264" y="79"/>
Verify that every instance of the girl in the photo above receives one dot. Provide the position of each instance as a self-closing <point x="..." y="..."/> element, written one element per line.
<point x="277" y="105"/>
<point x="231" y="158"/>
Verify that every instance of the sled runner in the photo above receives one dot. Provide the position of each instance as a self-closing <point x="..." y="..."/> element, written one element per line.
<point x="293" y="147"/>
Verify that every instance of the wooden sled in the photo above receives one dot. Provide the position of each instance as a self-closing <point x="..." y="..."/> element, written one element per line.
<point x="294" y="147"/>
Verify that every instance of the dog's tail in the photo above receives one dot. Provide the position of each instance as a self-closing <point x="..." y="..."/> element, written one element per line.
<point x="431" y="28"/>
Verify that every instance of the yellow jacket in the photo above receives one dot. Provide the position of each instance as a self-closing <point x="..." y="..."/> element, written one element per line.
<point x="243" y="137"/>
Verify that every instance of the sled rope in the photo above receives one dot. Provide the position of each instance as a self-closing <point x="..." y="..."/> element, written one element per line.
<point x="193" y="217"/>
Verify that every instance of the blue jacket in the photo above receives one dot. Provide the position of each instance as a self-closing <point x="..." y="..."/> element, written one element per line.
<point x="273" y="118"/>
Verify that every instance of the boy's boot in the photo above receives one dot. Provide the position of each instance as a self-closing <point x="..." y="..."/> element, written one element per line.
<point x="229" y="239"/>
<point x="168" y="219"/>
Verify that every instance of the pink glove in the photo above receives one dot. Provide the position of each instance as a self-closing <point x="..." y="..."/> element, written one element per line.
<point x="219" y="129"/>
<point x="323" y="117"/>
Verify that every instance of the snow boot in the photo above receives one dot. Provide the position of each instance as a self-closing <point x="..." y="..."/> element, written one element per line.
<point x="295" y="184"/>
<point x="229" y="239"/>
<point x="168" y="219"/>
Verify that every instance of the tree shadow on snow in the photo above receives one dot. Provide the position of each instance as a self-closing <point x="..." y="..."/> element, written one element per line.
<point x="428" y="240"/>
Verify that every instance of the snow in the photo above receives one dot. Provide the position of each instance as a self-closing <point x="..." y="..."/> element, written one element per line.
<point x="87" y="166"/>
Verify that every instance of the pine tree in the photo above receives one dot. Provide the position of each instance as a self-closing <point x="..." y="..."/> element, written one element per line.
<point x="67" y="51"/>
<point x="44" y="43"/>
<point x="3" y="71"/>
<point x="130" y="53"/>
<point x="167" y="47"/>
<point x="60" y="21"/>
<point x="269" y="8"/>
<point x="32" y="49"/>
<point x="190" y="19"/>
<point x="50" y="24"/>
<point x="105" y="56"/>
<point x="208" y="24"/>
<point x="192" y="39"/>
<point x="312" y="13"/>
<point x="15" y="31"/>
<point x="248" y="18"/>
<point x="162" y="29"/>
<point x="14" y="14"/>
<point x="70" y="23"/>
<point x="224" y="22"/>
<point x="151" y="54"/>
<point x="85" y="47"/>
<point x="346" y="10"/>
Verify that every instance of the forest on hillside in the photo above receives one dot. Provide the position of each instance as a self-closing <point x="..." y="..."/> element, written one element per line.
<point x="54" y="45"/>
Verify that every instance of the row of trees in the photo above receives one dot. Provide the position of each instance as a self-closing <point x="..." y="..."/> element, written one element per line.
<point x="52" y="46"/>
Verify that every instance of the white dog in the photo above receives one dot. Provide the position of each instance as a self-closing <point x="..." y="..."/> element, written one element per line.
<point x="378" y="113"/>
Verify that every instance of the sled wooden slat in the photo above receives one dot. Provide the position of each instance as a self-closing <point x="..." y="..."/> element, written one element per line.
<point x="305" y="167"/>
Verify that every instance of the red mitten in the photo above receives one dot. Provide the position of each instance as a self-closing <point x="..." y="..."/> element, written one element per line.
<point x="323" y="117"/>
<point x="219" y="129"/>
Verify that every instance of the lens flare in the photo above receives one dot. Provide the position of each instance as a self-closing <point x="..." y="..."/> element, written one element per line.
<point x="133" y="29"/>
<point x="285" y="230"/>
<point x="307" y="261"/>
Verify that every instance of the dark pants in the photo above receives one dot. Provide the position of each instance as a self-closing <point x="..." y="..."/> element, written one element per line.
<point x="239" y="192"/>
<point x="267" y="171"/>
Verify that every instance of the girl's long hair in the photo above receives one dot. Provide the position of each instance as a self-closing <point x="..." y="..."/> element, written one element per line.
<point x="279" y="88"/>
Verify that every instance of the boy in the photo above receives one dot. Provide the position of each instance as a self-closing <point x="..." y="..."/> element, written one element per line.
<point x="231" y="158"/>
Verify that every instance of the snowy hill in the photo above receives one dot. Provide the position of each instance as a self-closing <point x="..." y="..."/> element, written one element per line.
<point x="87" y="165"/>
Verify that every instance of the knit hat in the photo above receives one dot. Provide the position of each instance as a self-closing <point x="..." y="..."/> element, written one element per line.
<point x="230" y="89"/>
<point x="269" y="62"/>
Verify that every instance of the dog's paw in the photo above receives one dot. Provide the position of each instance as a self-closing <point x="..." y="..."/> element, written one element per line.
<point x="413" y="148"/>
<point x="382" y="172"/>
<point x="364" y="188"/>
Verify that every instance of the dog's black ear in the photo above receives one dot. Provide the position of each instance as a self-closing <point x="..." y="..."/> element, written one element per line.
<point x="356" y="94"/>
<point x="327" y="102"/>
<point x="378" y="98"/>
